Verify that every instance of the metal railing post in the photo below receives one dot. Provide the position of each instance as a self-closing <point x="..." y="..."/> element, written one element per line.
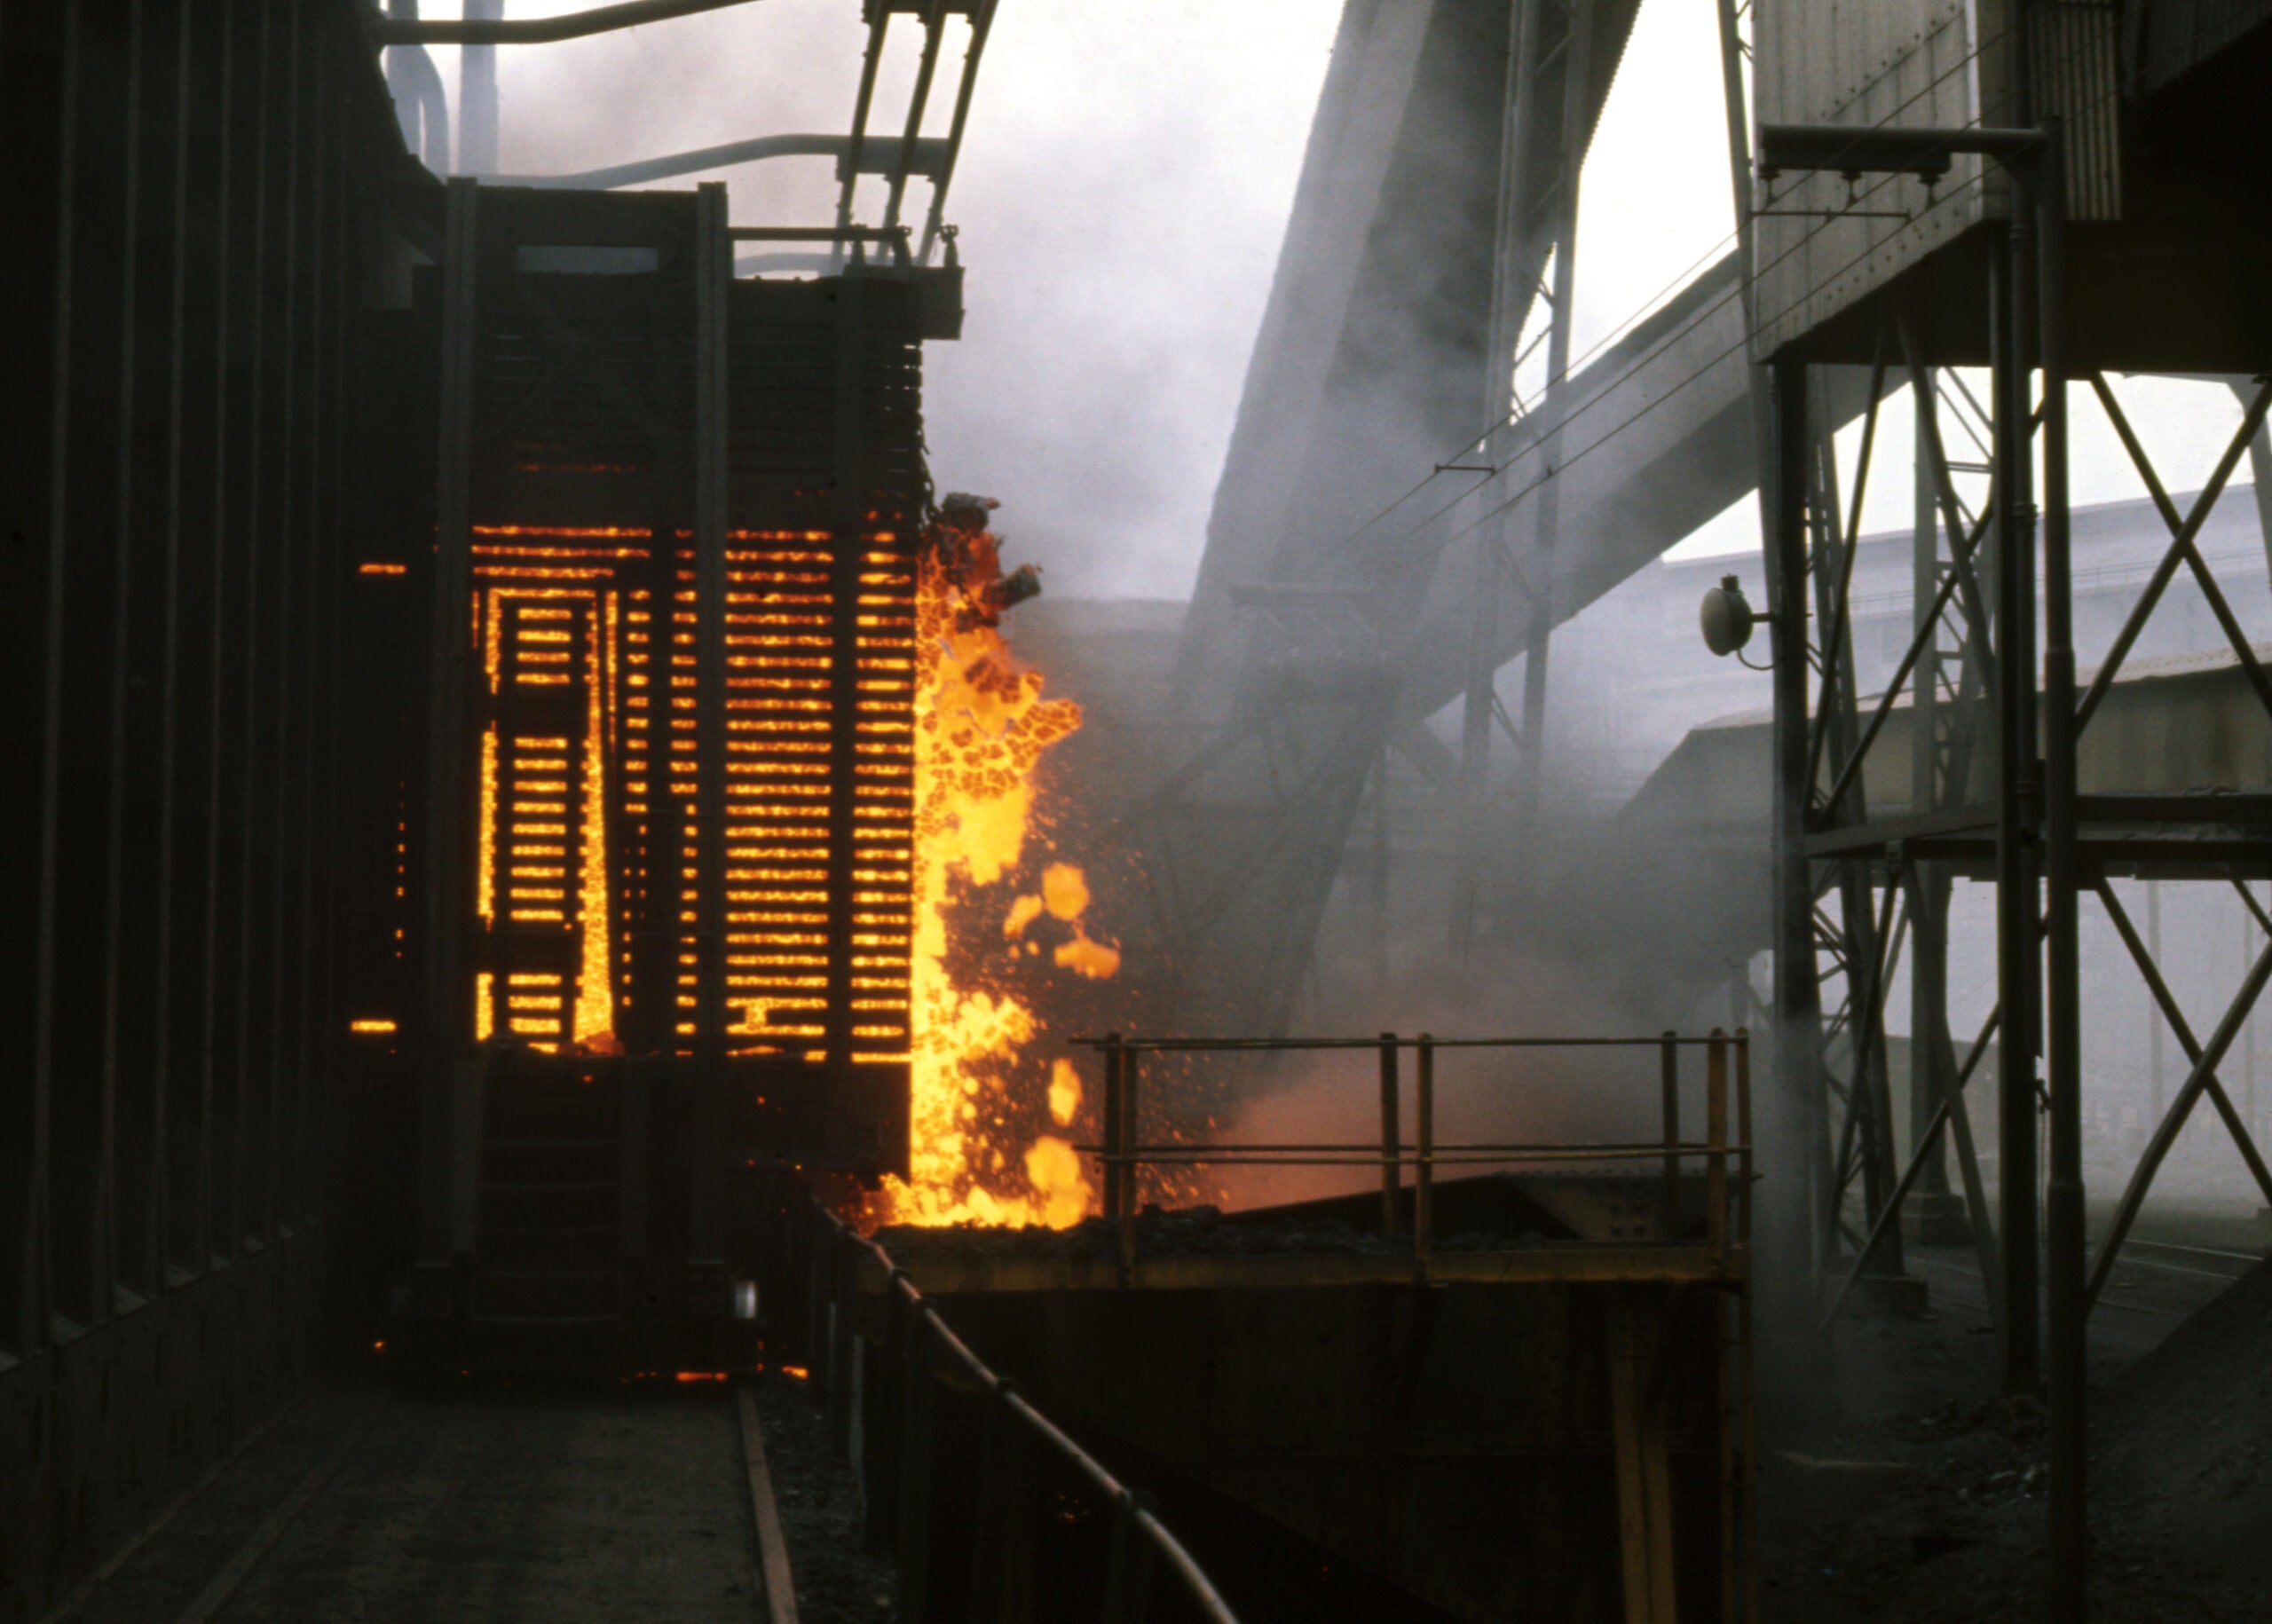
<point x="1392" y="1137"/>
<point x="843" y="1305"/>
<point x="1128" y="1143"/>
<point x="888" y="1444"/>
<point x="915" y="1472"/>
<point x="1423" y="1172"/>
<point x="1715" y="1138"/>
<point x="1743" y="1135"/>
<point x="1113" y="1148"/>
<point x="1669" y="1084"/>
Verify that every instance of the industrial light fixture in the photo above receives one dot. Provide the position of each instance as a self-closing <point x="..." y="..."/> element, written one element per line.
<point x="1727" y="617"/>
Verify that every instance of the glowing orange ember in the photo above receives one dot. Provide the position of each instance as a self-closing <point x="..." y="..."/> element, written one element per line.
<point x="1064" y="1092"/>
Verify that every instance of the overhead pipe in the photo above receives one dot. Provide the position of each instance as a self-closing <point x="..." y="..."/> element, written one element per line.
<point x="478" y="96"/>
<point x="880" y="156"/>
<point x="397" y="30"/>
<point x="421" y="106"/>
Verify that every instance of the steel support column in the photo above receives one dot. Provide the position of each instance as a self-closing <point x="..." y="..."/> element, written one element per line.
<point x="2018" y="797"/>
<point x="1540" y="586"/>
<point x="2065" y="1351"/>
<point x="1564" y="52"/>
<point x="478" y="96"/>
<point x="1801" y="1143"/>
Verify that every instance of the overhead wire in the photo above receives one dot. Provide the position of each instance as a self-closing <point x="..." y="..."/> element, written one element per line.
<point x="1648" y="306"/>
<point x="1746" y="282"/>
<point x="1978" y="181"/>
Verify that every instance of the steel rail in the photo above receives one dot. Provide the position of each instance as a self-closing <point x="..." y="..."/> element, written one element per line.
<point x="925" y="158"/>
<point x="1165" y="1045"/>
<point x="1648" y="1147"/>
<point x="765" y="1513"/>
<point x="922" y="1318"/>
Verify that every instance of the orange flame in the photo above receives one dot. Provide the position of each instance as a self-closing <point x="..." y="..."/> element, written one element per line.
<point x="981" y="727"/>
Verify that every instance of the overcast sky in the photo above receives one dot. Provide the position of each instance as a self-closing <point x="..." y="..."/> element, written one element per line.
<point x="1121" y="194"/>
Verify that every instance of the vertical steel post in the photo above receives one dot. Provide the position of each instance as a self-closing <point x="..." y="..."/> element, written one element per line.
<point x="478" y="96"/>
<point x="1377" y="889"/>
<point x="1519" y="136"/>
<point x="1789" y="1239"/>
<point x="2017" y="803"/>
<point x="1931" y="1055"/>
<point x="1715" y="1140"/>
<point x="1113" y="1148"/>
<point x="1392" y="1137"/>
<point x="1802" y="1145"/>
<point x="712" y="268"/>
<point x="914" y="1525"/>
<point x="447" y="1027"/>
<point x="888" y="1444"/>
<point x="1576" y="125"/>
<point x="2019" y="857"/>
<point x="1424" y="1171"/>
<point x="1668" y="1091"/>
<point x="2066" y="1349"/>
<point x="712" y="274"/>
<point x="1128" y="1149"/>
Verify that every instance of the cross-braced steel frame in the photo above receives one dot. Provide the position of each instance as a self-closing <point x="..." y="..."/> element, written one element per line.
<point x="1997" y="727"/>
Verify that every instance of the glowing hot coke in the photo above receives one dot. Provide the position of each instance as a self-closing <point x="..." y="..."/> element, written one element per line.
<point x="983" y="726"/>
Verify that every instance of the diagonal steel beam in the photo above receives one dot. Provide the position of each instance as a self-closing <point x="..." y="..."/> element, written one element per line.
<point x="1951" y="1111"/>
<point x="2154" y="984"/>
<point x="1837" y="652"/>
<point x="2185" y="542"/>
<point x="2251" y="421"/>
<point x="2141" y="1179"/>
<point x="1853" y="768"/>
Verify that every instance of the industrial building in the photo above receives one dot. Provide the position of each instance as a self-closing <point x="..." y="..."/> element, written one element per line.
<point x="1638" y="1000"/>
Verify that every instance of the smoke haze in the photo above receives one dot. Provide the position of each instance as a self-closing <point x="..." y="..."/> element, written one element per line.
<point x="1121" y="193"/>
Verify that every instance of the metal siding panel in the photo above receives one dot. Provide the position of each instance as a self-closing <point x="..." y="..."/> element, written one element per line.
<point x="151" y="347"/>
<point x="1906" y="66"/>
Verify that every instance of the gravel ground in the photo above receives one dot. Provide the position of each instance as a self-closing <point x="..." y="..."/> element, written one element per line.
<point x="821" y="1514"/>
<point x="1927" y="1512"/>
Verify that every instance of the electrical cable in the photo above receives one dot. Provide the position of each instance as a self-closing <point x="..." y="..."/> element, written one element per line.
<point x="1961" y="192"/>
<point x="1655" y="300"/>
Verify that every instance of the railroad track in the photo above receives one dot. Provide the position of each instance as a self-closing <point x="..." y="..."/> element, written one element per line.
<point x="2210" y="1263"/>
<point x="2241" y="1262"/>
